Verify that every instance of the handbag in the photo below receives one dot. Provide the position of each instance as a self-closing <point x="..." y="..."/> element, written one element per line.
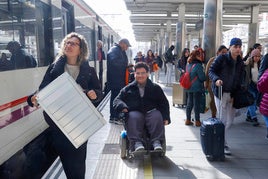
<point x="243" y="98"/>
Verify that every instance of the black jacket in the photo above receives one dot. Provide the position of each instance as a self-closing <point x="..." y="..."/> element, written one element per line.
<point x="154" y="97"/>
<point x="263" y="65"/>
<point x="87" y="79"/>
<point x="232" y="76"/>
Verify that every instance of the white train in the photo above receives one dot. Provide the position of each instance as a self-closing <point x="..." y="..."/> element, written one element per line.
<point x="39" y="26"/>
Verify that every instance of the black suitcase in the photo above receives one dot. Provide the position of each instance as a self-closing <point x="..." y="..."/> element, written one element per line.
<point x="212" y="139"/>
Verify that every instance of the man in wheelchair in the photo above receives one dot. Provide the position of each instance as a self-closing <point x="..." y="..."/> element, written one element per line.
<point x="147" y="108"/>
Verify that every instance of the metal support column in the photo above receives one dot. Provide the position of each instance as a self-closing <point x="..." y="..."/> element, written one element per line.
<point x="180" y="36"/>
<point x="212" y="32"/>
<point x="253" y="32"/>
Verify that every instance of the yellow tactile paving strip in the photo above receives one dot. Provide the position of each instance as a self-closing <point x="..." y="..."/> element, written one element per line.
<point x="111" y="166"/>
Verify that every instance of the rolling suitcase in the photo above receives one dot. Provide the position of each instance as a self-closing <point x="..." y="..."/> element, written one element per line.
<point x="212" y="138"/>
<point x="178" y="95"/>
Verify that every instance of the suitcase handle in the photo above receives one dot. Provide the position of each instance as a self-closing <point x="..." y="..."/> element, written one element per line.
<point x="220" y="94"/>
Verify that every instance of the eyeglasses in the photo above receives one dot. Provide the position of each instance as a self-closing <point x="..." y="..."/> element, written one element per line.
<point x="72" y="44"/>
<point x="140" y="73"/>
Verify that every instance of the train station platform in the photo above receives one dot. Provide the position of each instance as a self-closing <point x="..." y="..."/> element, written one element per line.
<point x="184" y="157"/>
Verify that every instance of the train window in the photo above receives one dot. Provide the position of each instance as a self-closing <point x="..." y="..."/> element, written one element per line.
<point x="21" y="34"/>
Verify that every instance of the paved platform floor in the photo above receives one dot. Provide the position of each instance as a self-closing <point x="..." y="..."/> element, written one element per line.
<point x="184" y="157"/>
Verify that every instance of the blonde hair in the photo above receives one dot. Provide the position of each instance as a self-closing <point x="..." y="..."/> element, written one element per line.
<point x="84" y="52"/>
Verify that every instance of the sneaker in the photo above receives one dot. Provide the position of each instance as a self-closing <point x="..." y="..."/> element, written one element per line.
<point x="227" y="150"/>
<point x="188" y="122"/>
<point x="138" y="146"/>
<point x="157" y="145"/>
<point x="197" y="123"/>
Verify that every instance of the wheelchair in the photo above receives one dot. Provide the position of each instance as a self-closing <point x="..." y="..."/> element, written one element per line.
<point x="127" y="150"/>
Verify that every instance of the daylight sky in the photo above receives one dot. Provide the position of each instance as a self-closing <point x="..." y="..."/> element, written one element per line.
<point x="114" y="12"/>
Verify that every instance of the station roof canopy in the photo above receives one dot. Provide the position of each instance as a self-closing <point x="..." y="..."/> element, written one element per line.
<point x="149" y="16"/>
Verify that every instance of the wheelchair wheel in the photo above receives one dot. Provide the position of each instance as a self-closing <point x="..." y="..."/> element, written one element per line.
<point x="123" y="147"/>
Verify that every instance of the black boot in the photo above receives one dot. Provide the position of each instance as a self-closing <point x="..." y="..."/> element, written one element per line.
<point x="248" y="119"/>
<point x="255" y="122"/>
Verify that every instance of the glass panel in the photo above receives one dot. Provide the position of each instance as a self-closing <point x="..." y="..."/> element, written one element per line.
<point x="17" y="35"/>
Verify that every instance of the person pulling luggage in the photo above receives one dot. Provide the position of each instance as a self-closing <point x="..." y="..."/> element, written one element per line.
<point x="227" y="70"/>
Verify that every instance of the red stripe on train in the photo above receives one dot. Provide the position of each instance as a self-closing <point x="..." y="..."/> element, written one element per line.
<point x="13" y="103"/>
<point x="13" y="116"/>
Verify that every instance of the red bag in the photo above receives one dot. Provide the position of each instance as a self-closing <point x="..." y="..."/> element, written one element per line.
<point x="185" y="80"/>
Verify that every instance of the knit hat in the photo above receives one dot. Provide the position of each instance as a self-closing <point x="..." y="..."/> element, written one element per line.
<point x="255" y="52"/>
<point x="235" y="41"/>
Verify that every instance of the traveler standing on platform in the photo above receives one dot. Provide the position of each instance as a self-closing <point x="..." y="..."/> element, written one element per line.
<point x="195" y="67"/>
<point x="221" y="51"/>
<point x="147" y="106"/>
<point x="227" y="71"/>
<point x="159" y="63"/>
<point x="149" y="59"/>
<point x="183" y="60"/>
<point x="169" y="63"/>
<point x="139" y="57"/>
<point x="252" y="65"/>
<point x="117" y="63"/>
<point x="101" y="57"/>
<point x="263" y="88"/>
<point x="72" y="59"/>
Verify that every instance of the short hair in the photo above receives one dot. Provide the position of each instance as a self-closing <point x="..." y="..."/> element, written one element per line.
<point x="141" y="65"/>
<point x="256" y="45"/>
<point x="222" y="47"/>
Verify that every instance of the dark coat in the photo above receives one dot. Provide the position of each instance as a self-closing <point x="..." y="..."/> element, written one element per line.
<point x="154" y="97"/>
<point x="223" y="68"/>
<point x="182" y="63"/>
<point x="263" y="65"/>
<point x="87" y="79"/>
<point x="117" y="63"/>
<point x="159" y="61"/>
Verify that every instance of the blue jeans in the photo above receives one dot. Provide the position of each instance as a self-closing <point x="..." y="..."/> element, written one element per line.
<point x="252" y="109"/>
<point x="193" y="101"/>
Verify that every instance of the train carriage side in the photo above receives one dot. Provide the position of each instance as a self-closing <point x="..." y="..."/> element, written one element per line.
<point x="39" y="27"/>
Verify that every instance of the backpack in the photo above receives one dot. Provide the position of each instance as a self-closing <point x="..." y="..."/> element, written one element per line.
<point x="185" y="80"/>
